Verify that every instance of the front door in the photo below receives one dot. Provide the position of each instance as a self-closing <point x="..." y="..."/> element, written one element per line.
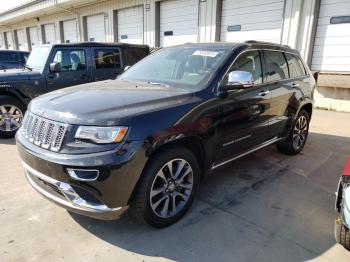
<point x="74" y="69"/>
<point x="243" y="118"/>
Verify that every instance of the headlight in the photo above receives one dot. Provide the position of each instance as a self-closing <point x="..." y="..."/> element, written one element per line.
<point x="101" y="135"/>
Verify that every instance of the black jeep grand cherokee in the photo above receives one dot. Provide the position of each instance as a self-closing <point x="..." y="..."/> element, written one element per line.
<point x="147" y="139"/>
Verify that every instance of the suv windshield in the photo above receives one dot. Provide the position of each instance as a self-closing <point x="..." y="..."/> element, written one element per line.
<point x="38" y="57"/>
<point x="180" y="67"/>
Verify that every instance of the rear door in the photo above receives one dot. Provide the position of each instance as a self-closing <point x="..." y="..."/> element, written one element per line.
<point x="74" y="68"/>
<point x="107" y="63"/>
<point x="282" y="91"/>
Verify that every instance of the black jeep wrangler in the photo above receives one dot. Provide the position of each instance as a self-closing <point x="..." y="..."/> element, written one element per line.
<point x="51" y="67"/>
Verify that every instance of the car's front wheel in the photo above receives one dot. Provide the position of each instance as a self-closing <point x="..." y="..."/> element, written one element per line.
<point x="167" y="186"/>
<point x="11" y="116"/>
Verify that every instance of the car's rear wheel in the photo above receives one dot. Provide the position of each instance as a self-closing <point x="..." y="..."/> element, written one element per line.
<point x="296" y="140"/>
<point x="167" y="186"/>
<point x="342" y="234"/>
<point x="11" y="116"/>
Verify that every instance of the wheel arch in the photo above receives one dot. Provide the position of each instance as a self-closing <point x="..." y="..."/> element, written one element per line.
<point x="193" y="143"/>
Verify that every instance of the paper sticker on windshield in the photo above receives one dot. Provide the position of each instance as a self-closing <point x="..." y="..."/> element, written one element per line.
<point x="205" y="53"/>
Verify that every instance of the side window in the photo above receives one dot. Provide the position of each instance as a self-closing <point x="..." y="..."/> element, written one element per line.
<point x="15" y="58"/>
<point x="276" y="66"/>
<point x="133" y="55"/>
<point x="107" y="58"/>
<point x="296" y="67"/>
<point x="250" y="62"/>
<point x="71" y="60"/>
<point x="5" y="57"/>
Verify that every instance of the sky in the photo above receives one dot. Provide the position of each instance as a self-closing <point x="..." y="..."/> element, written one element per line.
<point x="6" y="4"/>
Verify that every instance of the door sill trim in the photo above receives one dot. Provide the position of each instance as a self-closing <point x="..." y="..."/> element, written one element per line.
<point x="265" y="144"/>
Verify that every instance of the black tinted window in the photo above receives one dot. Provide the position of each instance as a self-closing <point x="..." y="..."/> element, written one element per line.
<point x="107" y="58"/>
<point x="276" y="66"/>
<point x="9" y="57"/>
<point x="296" y="68"/>
<point x="71" y="60"/>
<point x="133" y="55"/>
<point x="249" y="62"/>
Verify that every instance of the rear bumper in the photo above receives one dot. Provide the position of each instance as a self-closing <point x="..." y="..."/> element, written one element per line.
<point x="64" y="195"/>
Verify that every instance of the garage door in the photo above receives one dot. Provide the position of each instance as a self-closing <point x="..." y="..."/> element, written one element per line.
<point x="251" y="20"/>
<point x="70" y="34"/>
<point x="130" y="25"/>
<point x="95" y="25"/>
<point x="10" y="42"/>
<point x="21" y="40"/>
<point x="34" y="37"/>
<point x="178" y="22"/>
<point x="50" y="34"/>
<point x="332" y="42"/>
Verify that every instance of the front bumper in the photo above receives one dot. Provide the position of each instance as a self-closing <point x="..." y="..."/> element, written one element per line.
<point x="343" y="202"/>
<point x="106" y="198"/>
<point x="63" y="194"/>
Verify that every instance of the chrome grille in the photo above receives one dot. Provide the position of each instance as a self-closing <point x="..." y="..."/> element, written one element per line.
<point x="42" y="132"/>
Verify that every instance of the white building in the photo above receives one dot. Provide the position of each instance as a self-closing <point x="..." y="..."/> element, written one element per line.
<point x="320" y="29"/>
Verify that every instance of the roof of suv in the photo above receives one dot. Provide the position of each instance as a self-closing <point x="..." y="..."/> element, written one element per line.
<point x="13" y="51"/>
<point x="250" y="43"/>
<point x="98" y="44"/>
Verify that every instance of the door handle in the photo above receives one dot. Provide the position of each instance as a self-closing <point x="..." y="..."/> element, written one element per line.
<point x="295" y="85"/>
<point x="264" y="93"/>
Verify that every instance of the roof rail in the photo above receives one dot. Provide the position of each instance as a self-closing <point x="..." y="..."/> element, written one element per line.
<point x="264" y="42"/>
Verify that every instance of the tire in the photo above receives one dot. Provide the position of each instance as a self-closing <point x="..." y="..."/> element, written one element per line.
<point x="160" y="210"/>
<point x="297" y="138"/>
<point x="11" y="116"/>
<point x="342" y="234"/>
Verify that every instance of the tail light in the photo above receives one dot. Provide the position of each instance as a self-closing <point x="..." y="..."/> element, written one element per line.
<point x="346" y="172"/>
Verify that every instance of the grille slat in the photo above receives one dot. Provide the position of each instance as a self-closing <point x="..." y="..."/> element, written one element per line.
<point x="43" y="132"/>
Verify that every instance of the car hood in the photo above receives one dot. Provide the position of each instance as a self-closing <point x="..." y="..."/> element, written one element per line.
<point x="17" y="74"/>
<point x="106" y="103"/>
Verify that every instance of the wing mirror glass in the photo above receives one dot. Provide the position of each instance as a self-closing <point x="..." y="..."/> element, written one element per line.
<point x="55" y="67"/>
<point x="237" y="80"/>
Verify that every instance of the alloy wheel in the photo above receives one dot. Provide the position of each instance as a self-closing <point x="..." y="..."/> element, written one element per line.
<point x="171" y="188"/>
<point x="10" y="118"/>
<point x="300" y="132"/>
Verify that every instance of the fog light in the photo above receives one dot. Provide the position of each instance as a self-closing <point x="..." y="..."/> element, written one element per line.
<point x="83" y="174"/>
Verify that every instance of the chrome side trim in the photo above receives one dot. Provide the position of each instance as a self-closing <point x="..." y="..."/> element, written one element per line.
<point x="72" y="199"/>
<point x="265" y="144"/>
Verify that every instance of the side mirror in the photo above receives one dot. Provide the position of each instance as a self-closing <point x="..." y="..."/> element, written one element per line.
<point x="238" y="80"/>
<point x="55" y="67"/>
<point x="126" y="68"/>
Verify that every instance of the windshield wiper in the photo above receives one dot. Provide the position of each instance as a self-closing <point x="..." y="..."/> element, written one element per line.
<point x="27" y="67"/>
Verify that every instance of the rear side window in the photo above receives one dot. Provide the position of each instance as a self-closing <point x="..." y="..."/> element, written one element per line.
<point x="107" y="58"/>
<point x="133" y="55"/>
<point x="249" y="62"/>
<point x="296" y="67"/>
<point x="276" y="66"/>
